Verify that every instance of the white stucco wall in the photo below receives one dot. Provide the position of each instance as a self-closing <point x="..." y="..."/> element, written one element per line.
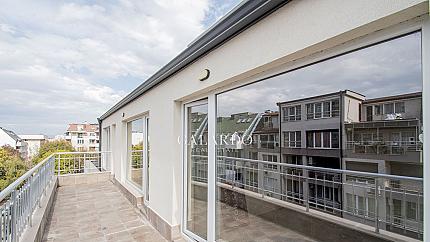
<point x="5" y="139"/>
<point x="298" y="29"/>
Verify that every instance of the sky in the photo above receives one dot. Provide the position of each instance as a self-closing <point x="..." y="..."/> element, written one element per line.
<point x="69" y="61"/>
<point x="385" y="69"/>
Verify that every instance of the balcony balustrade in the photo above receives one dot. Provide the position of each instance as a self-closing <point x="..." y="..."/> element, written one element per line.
<point x="373" y="199"/>
<point x="386" y="202"/>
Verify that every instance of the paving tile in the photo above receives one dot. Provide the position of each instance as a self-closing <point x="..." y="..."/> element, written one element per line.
<point x="96" y="212"/>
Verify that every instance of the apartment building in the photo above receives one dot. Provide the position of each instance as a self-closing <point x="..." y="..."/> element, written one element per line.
<point x="34" y="141"/>
<point x="386" y="140"/>
<point x="10" y="138"/>
<point x="263" y="53"/>
<point x="311" y="131"/>
<point x="84" y="137"/>
<point x="264" y="147"/>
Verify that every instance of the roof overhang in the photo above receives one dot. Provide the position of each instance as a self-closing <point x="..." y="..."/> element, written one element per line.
<point x="240" y="18"/>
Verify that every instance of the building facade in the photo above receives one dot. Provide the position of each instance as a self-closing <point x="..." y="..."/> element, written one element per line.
<point x="260" y="57"/>
<point x="34" y="141"/>
<point x="386" y="140"/>
<point x="84" y="137"/>
<point x="8" y="137"/>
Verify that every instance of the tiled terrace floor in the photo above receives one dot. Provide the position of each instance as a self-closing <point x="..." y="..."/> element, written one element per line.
<point x="236" y="225"/>
<point x="97" y="212"/>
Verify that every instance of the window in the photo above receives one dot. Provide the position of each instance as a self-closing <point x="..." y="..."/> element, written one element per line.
<point x="394" y="107"/>
<point x="322" y="139"/>
<point x="135" y="150"/>
<point x="399" y="107"/>
<point x="327" y="89"/>
<point x="269" y="184"/>
<point x="292" y="139"/>
<point x="388" y="108"/>
<point x="318" y="110"/>
<point x="325" y="109"/>
<point x="411" y="210"/>
<point x="310" y="111"/>
<point x="334" y="139"/>
<point x="267" y="141"/>
<point x="292" y="159"/>
<point x="317" y="139"/>
<point x="267" y="122"/>
<point x="335" y="108"/>
<point x="270" y="158"/>
<point x="377" y="109"/>
<point x="292" y="113"/>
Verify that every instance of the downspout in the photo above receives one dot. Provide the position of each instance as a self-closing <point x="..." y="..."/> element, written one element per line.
<point x="280" y="120"/>
<point x="341" y="145"/>
<point x="341" y="127"/>
<point x="100" y="133"/>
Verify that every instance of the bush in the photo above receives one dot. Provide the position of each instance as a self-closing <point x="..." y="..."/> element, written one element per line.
<point x="48" y="148"/>
<point x="12" y="166"/>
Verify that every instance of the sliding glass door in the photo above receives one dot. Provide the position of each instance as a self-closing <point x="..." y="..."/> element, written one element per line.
<point x="138" y="154"/>
<point x="346" y="142"/>
<point x="196" y="169"/>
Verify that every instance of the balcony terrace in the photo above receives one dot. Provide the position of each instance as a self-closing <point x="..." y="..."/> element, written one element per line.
<point x="72" y="197"/>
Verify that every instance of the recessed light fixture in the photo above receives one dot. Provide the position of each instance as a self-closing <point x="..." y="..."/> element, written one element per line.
<point x="204" y="75"/>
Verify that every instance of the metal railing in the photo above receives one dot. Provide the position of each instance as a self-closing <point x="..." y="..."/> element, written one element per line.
<point x="383" y="147"/>
<point x="387" y="202"/>
<point x="82" y="162"/>
<point x="21" y="198"/>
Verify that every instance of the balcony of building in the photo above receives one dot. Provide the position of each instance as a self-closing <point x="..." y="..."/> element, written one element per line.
<point x="72" y="196"/>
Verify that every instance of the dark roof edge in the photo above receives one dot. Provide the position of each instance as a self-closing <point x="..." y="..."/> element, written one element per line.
<point x="243" y="16"/>
<point x="393" y="98"/>
<point x="321" y="96"/>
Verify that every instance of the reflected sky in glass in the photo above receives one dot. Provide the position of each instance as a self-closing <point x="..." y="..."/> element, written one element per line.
<point x="389" y="68"/>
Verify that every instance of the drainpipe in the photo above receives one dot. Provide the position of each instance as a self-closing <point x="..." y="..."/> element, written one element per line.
<point x="100" y="133"/>
<point x="341" y="145"/>
<point x="281" y="178"/>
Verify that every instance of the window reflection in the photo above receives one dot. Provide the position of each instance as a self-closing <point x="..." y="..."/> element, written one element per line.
<point x="135" y="141"/>
<point x="361" y="111"/>
<point x="197" y="169"/>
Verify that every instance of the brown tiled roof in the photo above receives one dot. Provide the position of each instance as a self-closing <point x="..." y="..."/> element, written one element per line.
<point x="85" y="127"/>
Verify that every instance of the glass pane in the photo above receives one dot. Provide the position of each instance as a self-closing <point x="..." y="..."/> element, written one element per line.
<point x="197" y="169"/>
<point x="254" y="197"/>
<point x="148" y="158"/>
<point x="135" y="138"/>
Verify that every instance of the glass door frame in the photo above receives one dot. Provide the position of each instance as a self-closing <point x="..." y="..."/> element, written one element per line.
<point x="145" y="187"/>
<point x="209" y="101"/>
<point x="356" y="44"/>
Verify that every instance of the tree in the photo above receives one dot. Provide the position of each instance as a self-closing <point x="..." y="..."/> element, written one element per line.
<point x="12" y="166"/>
<point x="48" y="148"/>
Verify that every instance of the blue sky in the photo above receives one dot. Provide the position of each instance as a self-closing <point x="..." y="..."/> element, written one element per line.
<point x="69" y="61"/>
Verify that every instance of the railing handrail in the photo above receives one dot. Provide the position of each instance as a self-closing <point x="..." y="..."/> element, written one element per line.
<point x="6" y="192"/>
<point x="331" y="170"/>
<point x="81" y="152"/>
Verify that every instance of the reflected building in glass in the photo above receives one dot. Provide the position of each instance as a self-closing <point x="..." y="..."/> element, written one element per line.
<point x="310" y="134"/>
<point x="386" y="140"/>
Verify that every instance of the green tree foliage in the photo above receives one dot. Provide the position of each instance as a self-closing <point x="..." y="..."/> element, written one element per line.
<point x="11" y="166"/>
<point x="48" y="148"/>
<point x="137" y="158"/>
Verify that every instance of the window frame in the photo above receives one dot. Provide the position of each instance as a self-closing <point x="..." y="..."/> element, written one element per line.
<point x="352" y="45"/>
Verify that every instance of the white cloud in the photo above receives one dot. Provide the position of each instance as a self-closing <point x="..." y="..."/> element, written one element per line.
<point x="70" y="61"/>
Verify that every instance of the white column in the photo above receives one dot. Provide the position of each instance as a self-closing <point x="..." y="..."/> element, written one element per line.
<point x="426" y="123"/>
<point x="211" y="168"/>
